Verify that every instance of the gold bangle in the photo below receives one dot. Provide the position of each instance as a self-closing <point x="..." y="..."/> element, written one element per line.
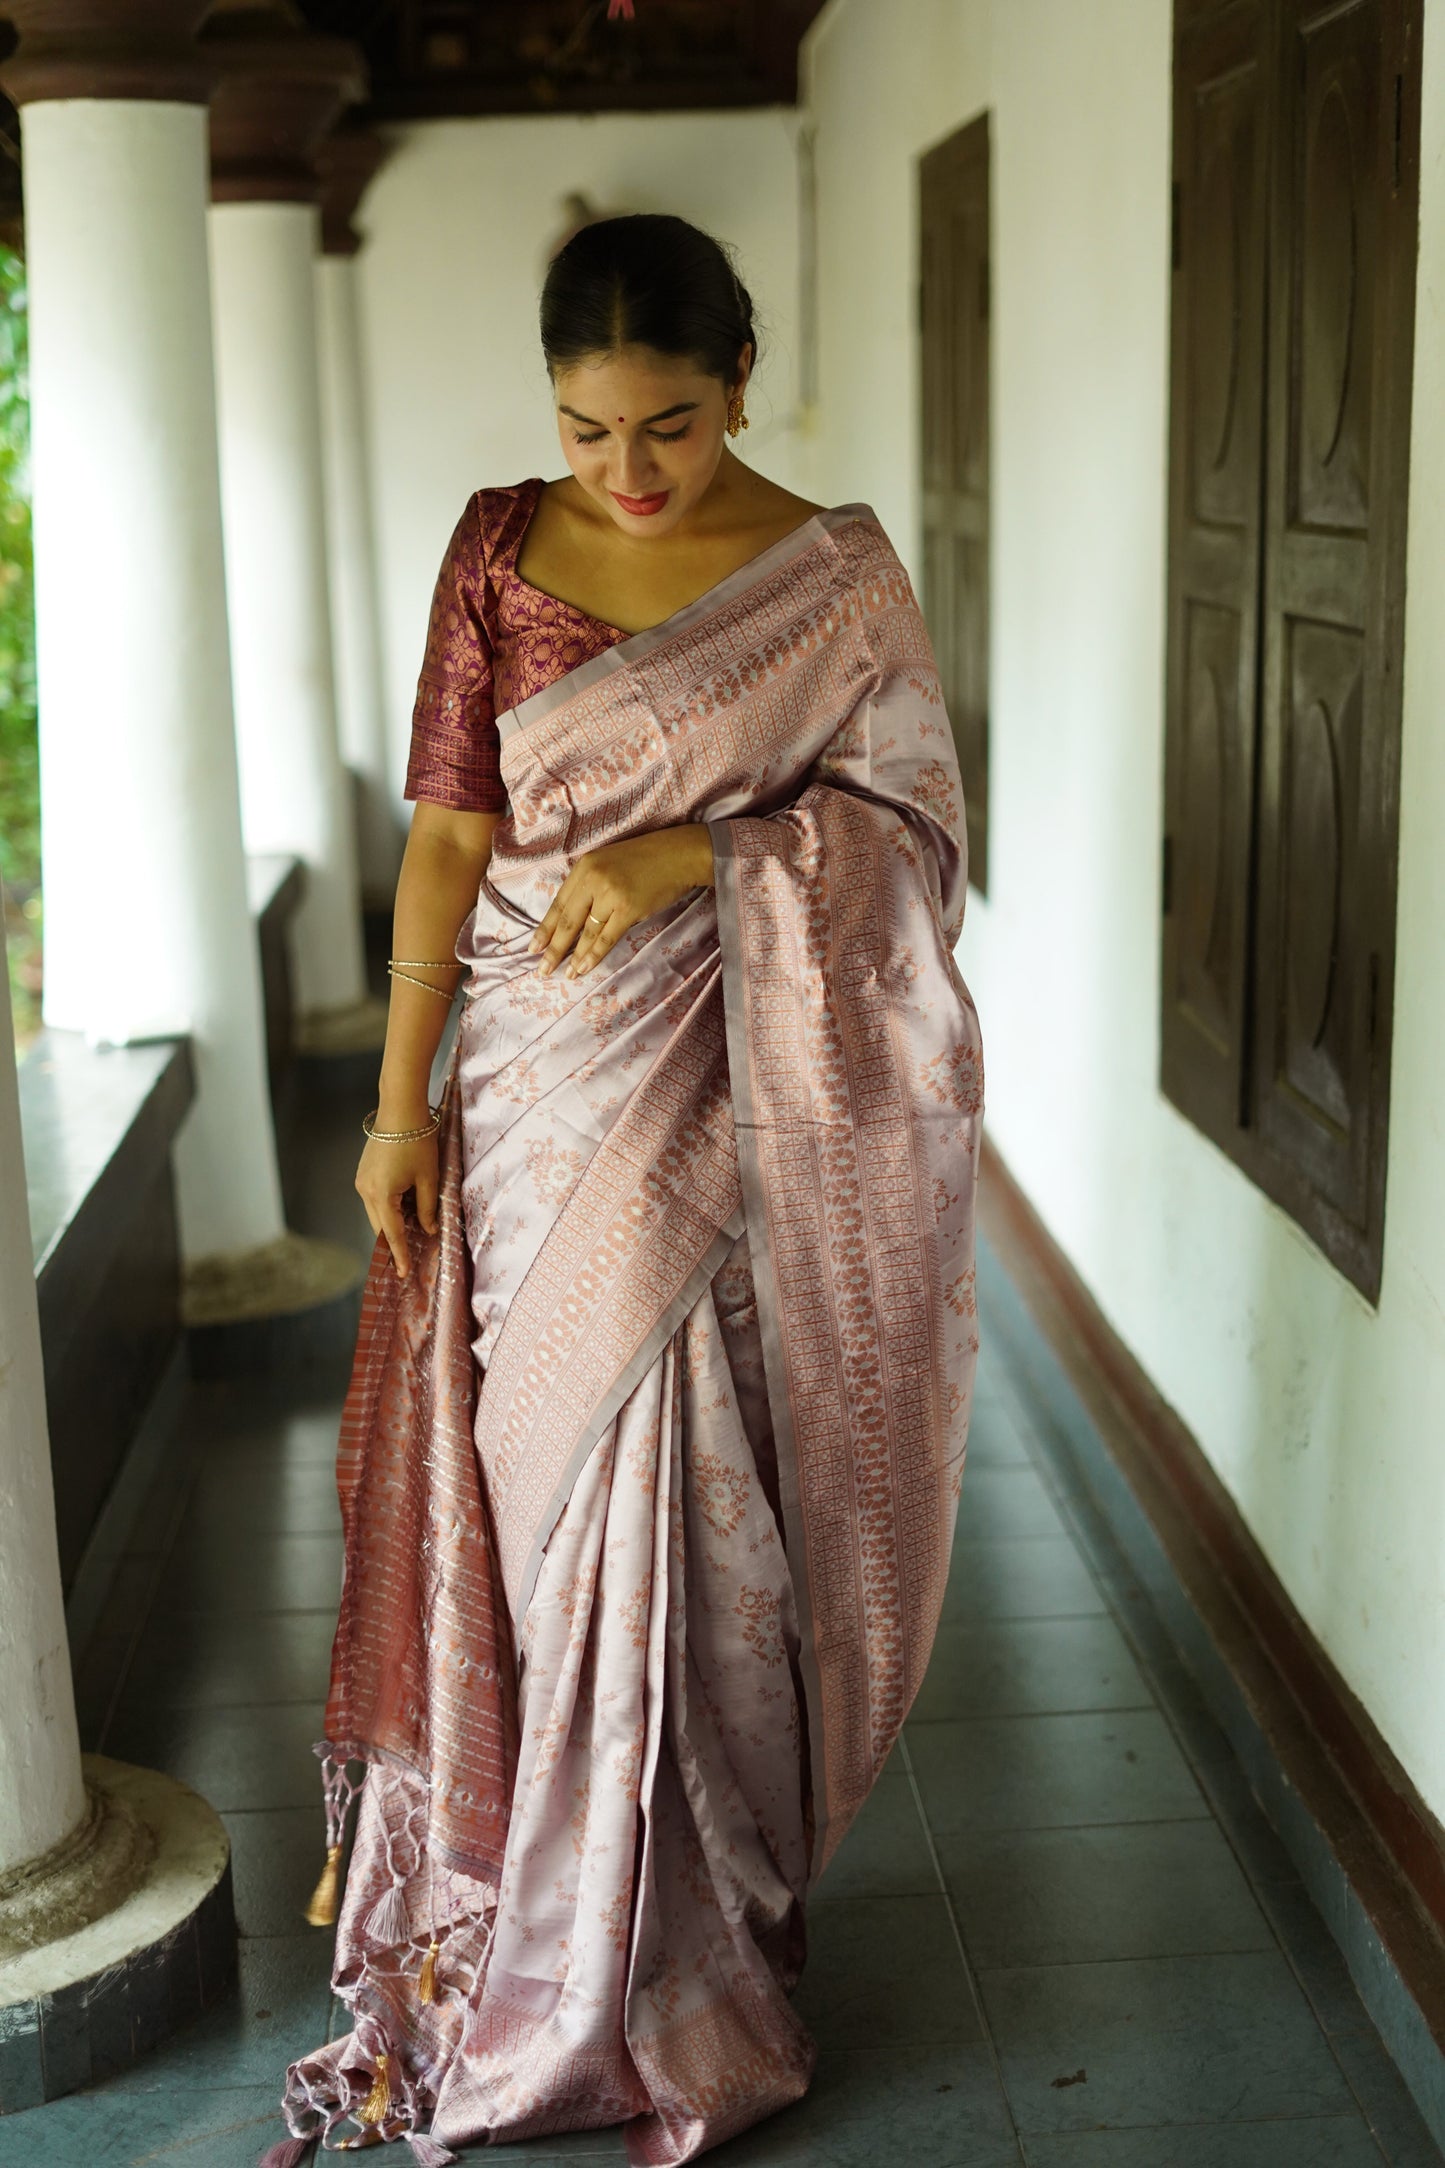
<point x="443" y="993"/>
<point x="400" y="1136"/>
<point x="413" y="963"/>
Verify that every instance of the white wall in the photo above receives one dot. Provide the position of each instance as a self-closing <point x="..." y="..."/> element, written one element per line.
<point x="1325" y="1418"/>
<point x="458" y="225"/>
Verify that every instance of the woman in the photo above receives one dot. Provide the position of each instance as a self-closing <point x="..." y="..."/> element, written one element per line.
<point x="652" y="1452"/>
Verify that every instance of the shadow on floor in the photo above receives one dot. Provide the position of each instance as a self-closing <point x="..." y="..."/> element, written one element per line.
<point x="1042" y="1945"/>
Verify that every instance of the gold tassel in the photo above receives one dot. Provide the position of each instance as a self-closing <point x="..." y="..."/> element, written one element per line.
<point x="427" y="1985"/>
<point x="321" y="1911"/>
<point x="377" y="2105"/>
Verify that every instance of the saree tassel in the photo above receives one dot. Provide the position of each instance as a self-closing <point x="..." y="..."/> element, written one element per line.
<point x="325" y="1900"/>
<point x="430" y="2152"/>
<point x="427" y="1985"/>
<point x="288" y="2154"/>
<point x="338" y="1791"/>
<point x="386" y="1922"/>
<point x="377" y="2105"/>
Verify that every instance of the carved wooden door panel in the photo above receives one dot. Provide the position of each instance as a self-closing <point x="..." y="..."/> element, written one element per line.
<point x="953" y="316"/>
<point x="1296" y="155"/>
<point x="1341" y="306"/>
<point x="1216" y="405"/>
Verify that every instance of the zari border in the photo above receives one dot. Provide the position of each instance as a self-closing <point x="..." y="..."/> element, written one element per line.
<point x="628" y="1378"/>
<point x="737" y="1020"/>
<point x="643" y="1216"/>
<point x="821" y="528"/>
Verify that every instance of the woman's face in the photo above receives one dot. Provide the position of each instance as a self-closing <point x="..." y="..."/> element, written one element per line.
<point x="643" y="433"/>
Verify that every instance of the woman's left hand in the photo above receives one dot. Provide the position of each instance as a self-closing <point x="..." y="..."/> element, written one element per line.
<point x="612" y="888"/>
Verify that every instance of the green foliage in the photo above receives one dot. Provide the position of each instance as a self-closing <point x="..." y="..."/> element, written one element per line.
<point x="19" y="755"/>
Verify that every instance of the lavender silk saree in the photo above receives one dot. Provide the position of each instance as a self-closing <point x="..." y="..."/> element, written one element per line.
<point x="649" y="1470"/>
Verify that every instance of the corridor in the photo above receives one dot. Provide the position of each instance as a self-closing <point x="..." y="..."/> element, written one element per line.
<point x="1061" y="1935"/>
<point x="1108" y="316"/>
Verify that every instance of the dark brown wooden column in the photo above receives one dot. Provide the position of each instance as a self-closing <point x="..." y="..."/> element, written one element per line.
<point x="95" y="49"/>
<point x="107" y="49"/>
<point x="349" y="162"/>
<point x="279" y="90"/>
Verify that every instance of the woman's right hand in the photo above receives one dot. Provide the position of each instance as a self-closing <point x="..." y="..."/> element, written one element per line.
<point x="386" y="1173"/>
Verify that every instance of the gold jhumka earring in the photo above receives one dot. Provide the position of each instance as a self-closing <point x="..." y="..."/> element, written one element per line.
<point x="737" y="419"/>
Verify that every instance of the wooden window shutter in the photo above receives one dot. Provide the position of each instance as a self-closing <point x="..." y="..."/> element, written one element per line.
<point x="954" y="341"/>
<point x="1216" y="410"/>
<point x="1296" y="152"/>
<point x="1343" y="232"/>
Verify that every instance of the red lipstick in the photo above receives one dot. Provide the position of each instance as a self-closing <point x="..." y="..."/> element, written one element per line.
<point x="641" y="507"/>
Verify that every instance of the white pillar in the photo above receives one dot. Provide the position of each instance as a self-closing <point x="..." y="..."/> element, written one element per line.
<point x="361" y="713"/>
<point x="147" y="928"/>
<point x="41" y="1794"/>
<point x="294" y="791"/>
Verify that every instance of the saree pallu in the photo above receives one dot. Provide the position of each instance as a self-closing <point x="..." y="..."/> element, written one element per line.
<point x="649" y="1469"/>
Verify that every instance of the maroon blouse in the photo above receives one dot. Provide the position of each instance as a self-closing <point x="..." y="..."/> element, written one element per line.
<point x="493" y="640"/>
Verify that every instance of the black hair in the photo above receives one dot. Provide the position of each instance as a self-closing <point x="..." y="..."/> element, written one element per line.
<point x="647" y="279"/>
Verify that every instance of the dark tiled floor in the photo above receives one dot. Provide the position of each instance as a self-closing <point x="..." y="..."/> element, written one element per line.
<point x="1060" y="1936"/>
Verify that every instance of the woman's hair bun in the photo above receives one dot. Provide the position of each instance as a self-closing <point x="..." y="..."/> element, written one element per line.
<point x="646" y="279"/>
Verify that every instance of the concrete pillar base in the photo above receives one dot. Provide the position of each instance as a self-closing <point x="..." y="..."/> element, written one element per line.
<point x="86" y="2004"/>
<point x="288" y="1305"/>
<point x="358" y="1028"/>
<point x="90" y="1872"/>
<point x="277" y="1279"/>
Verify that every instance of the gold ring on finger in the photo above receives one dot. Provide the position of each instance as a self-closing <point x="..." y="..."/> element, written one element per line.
<point x="593" y="919"/>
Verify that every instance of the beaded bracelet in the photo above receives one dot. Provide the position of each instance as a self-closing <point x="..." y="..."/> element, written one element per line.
<point x="400" y="1136"/>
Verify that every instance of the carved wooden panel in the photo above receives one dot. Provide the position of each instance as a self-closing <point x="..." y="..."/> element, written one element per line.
<point x="954" y="362"/>
<point x="1222" y="195"/>
<point x="1319" y="1017"/>
<point x="1336" y="170"/>
<point x="1296" y="155"/>
<point x="1217" y="326"/>
<point x="1343" y="225"/>
<point x="1213" y="762"/>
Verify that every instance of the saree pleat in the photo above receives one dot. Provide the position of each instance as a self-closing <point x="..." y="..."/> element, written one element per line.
<point x="649" y="1471"/>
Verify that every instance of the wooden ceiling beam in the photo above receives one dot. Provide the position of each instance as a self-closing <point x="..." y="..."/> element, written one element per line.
<point x="441" y="59"/>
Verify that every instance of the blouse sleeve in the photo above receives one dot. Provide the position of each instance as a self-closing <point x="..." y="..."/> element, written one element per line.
<point x="455" y="755"/>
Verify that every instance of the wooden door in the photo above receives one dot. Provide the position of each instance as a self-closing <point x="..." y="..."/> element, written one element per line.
<point x="953" y="304"/>
<point x="1220" y="184"/>
<point x="1296" y="155"/>
<point x="1341" y="322"/>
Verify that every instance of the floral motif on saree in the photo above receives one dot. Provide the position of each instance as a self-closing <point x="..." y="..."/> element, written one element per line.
<point x="649" y="1470"/>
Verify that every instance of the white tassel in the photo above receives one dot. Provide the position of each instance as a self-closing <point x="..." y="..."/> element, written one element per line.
<point x="387" y="1923"/>
<point x="288" y="2154"/>
<point x="428" y="2153"/>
